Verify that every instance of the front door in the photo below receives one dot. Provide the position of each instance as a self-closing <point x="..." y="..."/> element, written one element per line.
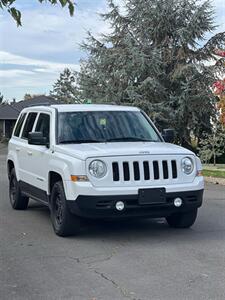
<point x="40" y="156"/>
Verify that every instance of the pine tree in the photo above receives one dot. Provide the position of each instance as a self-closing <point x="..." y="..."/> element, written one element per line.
<point x="152" y="59"/>
<point x="65" y="89"/>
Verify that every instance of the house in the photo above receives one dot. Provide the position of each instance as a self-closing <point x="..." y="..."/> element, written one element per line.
<point x="10" y="112"/>
<point x="8" y="116"/>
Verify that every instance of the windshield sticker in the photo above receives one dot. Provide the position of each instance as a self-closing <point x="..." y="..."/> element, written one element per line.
<point x="102" y="121"/>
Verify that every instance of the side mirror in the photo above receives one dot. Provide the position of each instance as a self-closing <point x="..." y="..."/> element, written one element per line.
<point x="168" y="135"/>
<point x="37" y="138"/>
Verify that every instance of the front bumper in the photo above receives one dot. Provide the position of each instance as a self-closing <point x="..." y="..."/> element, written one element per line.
<point x="73" y="190"/>
<point x="104" y="206"/>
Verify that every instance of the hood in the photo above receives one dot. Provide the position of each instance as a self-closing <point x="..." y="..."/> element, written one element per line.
<point x="84" y="151"/>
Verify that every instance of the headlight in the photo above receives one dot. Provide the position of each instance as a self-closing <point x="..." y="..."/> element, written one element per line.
<point x="187" y="165"/>
<point x="97" y="168"/>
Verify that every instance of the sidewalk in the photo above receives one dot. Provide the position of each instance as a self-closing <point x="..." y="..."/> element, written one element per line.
<point x="215" y="180"/>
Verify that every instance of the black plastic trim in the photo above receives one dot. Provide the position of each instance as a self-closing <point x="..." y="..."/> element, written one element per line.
<point x="33" y="192"/>
<point x="104" y="206"/>
<point x="56" y="126"/>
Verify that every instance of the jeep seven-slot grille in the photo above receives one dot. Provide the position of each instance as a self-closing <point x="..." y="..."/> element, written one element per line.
<point x="151" y="170"/>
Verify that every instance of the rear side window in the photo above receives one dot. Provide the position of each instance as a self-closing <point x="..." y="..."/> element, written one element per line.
<point x="43" y="125"/>
<point x="29" y="125"/>
<point x="19" y="124"/>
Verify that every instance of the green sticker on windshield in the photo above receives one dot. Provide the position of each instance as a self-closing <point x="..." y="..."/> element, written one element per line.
<point x="102" y="121"/>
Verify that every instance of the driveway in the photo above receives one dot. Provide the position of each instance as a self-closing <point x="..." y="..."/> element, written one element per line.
<point x="3" y="149"/>
<point x="122" y="260"/>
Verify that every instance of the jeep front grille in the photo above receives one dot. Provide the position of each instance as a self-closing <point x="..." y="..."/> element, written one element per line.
<point x="151" y="170"/>
<point x="141" y="171"/>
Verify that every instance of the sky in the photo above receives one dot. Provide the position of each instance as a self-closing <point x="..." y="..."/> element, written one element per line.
<point x="32" y="56"/>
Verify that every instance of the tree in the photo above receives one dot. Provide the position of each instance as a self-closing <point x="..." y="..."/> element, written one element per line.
<point x="152" y="58"/>
<point x="16" y="14"/>
<point x="29" y="96"/>
<point x="65" y="89"/>
<point x="212" y="145"/>
<point x="1" y="98"/>
<point x="219" y="87"/>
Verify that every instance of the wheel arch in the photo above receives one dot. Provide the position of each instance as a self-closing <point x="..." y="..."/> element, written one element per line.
<point x="12" y="161"/>
<point x="53" y="177"/>
<point x="59" y="170"/>
<point x="10" y="166"/>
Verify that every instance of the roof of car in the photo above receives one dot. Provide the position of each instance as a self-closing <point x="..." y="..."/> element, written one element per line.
<point x="92" y="107"/>
<point x="83" y="107"/>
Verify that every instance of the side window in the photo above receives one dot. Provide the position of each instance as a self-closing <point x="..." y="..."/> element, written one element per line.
<point x="19" y="124"/>
<point x="43" y="125"/>
<point x="28" y="125"/>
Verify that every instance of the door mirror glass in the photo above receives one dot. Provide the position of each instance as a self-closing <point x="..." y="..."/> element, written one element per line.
<point x="37" y="138"/>
<point x="168" y="135"/>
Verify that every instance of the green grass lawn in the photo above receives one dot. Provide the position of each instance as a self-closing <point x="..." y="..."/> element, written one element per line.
<point x="213" y="173"/>
<point x="212" y="167"/>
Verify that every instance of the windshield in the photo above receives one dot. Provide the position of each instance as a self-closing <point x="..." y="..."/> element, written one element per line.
<point x="105" y="126"/>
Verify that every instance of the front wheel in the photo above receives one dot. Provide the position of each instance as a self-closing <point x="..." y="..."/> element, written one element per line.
<point x="64" y="223"/>
<point x="182" y="220"/>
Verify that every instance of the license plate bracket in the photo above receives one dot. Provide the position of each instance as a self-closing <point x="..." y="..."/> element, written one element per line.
<point x="152" y="196"/>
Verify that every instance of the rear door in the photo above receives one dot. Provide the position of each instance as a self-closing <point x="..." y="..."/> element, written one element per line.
<point x="15" y="144"/>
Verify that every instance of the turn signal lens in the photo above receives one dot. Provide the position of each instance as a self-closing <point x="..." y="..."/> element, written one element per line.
<point x="76" y="178"/>
<point x="199" y="173"/>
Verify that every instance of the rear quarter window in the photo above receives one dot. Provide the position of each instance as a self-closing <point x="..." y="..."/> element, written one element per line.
<point x="19" y="124"/>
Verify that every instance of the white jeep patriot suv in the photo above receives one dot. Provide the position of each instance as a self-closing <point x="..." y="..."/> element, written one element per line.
<point x="101" y="161"/>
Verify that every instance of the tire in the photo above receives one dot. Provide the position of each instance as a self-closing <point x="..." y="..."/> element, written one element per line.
<point x="17" y="200"/>
<point x="182" y="220"/>
<point x="64" y="223"/>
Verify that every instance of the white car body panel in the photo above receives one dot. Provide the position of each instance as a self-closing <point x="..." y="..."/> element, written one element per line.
<point x="84" y="151"/>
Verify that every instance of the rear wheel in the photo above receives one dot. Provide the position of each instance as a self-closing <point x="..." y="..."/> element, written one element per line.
<point x="182" y="220"/>
<point x="64" y="223"/>
<point x="17" y="200"/>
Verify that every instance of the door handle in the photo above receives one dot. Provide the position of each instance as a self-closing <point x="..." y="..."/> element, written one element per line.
<point x="17" y="149"/>
<point x="29" y="152"/>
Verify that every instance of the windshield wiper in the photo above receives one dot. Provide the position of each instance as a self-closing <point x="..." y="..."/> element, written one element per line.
<point x="81" y="141"/>
<point x="119" y="139"/>
<point x="130" y="139"/>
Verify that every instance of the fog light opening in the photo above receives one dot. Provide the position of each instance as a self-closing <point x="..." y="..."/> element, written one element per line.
<point x="120" y="205"/>
<point x="177" y="202"/>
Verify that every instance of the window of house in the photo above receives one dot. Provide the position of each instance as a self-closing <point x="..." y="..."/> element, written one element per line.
<point x="28" y="125"/>
<point x="19" y="124"/>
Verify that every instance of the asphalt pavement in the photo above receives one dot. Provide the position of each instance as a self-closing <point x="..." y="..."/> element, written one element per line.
<point x="111" y="261"/>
